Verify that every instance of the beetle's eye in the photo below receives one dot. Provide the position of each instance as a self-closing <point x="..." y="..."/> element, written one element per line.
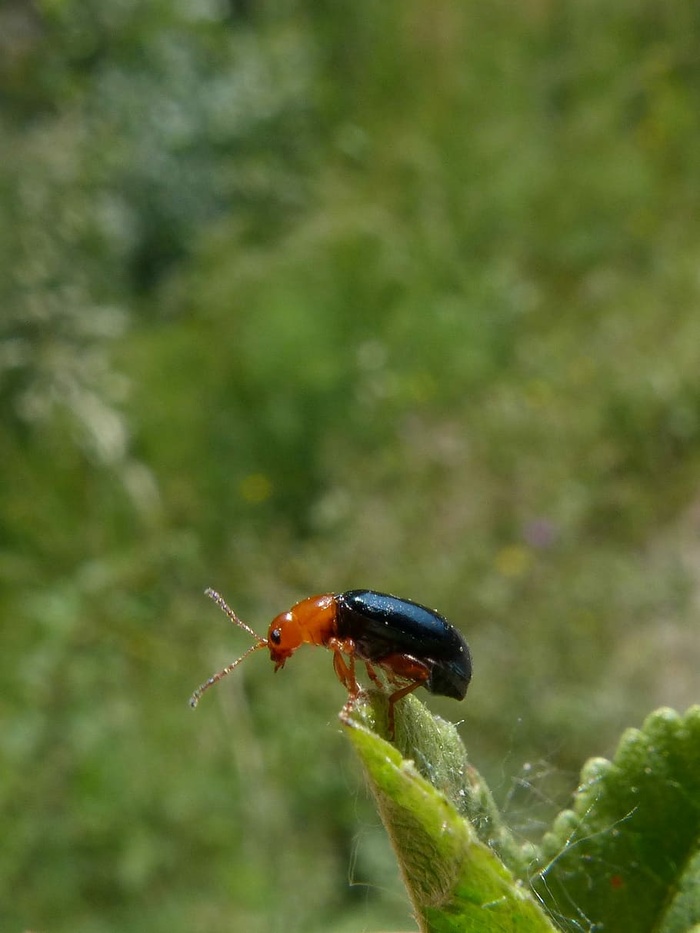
<point x="275" y="636"/>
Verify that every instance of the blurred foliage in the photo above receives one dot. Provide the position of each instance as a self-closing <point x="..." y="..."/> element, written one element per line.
<point x="300" y="297"/>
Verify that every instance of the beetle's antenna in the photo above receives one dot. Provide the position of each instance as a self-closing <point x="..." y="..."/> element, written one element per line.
<point x="215" y="678"/>
<point x="224" y="606"/>
<point x="260" y="643"/>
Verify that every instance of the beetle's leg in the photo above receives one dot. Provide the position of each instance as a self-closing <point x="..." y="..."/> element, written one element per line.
<point x="403" y="667"/>
<point x="345" y="670"/>
<point x="373" y="674"/>
<point x="397" y="695"/>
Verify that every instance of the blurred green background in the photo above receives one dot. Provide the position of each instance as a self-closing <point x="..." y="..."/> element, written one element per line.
<point x="298" y="297"/>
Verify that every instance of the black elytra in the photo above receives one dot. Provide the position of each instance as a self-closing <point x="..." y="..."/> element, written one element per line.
<point x="381" y="625"/>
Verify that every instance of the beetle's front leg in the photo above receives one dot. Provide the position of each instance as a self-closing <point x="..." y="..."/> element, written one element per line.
<point x="345" y="670"/>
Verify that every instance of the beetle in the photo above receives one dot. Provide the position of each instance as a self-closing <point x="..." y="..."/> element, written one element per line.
<point x="414" y="646"/>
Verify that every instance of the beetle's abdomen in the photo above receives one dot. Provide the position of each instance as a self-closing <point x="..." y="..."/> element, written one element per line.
<point x="382" y="625"/>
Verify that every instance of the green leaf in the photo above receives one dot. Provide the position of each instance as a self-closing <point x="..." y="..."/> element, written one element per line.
<point x="626" y="857"/>
<point x="456" y="881"/>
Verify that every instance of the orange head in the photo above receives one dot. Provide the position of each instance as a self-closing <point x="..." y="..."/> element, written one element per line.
<point x="311" y="621"/>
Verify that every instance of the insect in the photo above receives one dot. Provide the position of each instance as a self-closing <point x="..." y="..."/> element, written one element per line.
<point x="414" y="646"/>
